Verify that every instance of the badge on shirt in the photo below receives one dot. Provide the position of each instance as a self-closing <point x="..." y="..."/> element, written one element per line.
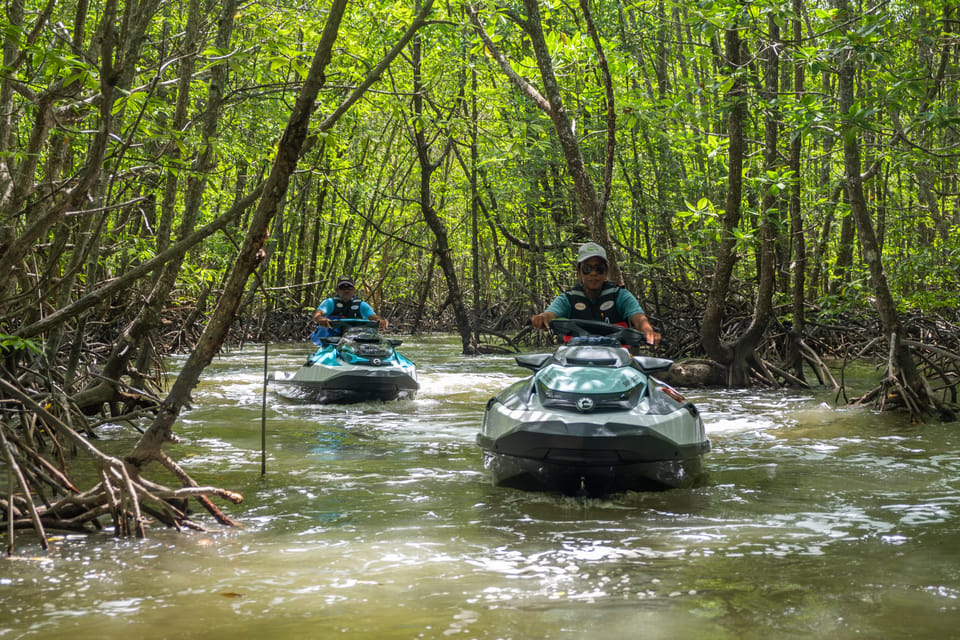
<point x="606" y="305"/>
<point x="580" y="306"/>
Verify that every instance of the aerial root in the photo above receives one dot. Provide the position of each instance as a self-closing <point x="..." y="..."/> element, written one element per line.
<point x="128" y="500"/>
<point x="42" y="497"/>
<point x="775" y="373"/>
<point x="919" y="399"/>
<point x="819" y="367"/>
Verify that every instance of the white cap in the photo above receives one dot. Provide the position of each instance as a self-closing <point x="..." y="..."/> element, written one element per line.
<point x="591" y="250"/>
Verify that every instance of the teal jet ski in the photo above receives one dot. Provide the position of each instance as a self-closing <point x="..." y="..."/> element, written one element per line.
<point x="592" y="420"/>
<point x="359" y="365"/>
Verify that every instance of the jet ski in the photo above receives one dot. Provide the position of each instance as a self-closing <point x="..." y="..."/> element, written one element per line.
<point x="592" y="420"/>
<point x="359" y="365"/>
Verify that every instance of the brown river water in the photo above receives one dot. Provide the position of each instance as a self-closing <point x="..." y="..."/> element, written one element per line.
<point x="377" y="521"/>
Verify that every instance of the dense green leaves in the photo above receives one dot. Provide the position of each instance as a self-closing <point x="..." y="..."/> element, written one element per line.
<point x="351" y="206"/>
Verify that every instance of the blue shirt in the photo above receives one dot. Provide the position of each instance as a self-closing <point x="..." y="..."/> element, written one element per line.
<point x="627" y="305"/>
<point x="327" y="307"/>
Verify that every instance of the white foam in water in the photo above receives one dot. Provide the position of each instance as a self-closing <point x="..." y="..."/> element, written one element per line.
<point x="737" y="424"/>
<point x="447" y="384"/>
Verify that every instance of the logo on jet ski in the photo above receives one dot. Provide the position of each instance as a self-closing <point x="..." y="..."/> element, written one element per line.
<point x="585" y="404"/>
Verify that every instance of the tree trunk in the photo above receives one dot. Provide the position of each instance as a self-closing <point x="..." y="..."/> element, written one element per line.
<point x="713" y="314"/>
<point x="430" y="214"/>
<point x="904" y="368"/>
<point x="251" y="252"/>
<point x="591" y="207"/>
<point x="551" y="103"/>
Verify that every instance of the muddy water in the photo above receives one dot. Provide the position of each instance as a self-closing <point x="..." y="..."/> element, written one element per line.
<point x="377" y="521"/>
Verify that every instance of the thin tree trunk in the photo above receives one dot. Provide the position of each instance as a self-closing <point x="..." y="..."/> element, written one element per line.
<point x="745" y="350"/>
<point x="312" y="293"/>
<point x="794" y="359"/>
<point x="713" y="313"/>
<point x="844" y="261"/>
<point x="429" y="212"/>
<point x="901" y="357"/>
<point x="424" y="293"/>
<point x="474" y="207"/>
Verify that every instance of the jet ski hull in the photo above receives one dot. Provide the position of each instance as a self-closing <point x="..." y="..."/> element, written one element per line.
<point x="591" y="465"/>
<point x="318" y="383"/>
<point x="360" y="366"/>
<point x="592" y="421"/>
<point x="532" y="450"/>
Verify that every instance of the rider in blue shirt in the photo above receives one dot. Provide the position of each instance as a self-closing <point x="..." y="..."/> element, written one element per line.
<point x="596" y="298"/>
<point x="344" y="304"/>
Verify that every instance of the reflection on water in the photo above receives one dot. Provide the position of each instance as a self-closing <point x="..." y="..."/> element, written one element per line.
<point x="376" y="520"/>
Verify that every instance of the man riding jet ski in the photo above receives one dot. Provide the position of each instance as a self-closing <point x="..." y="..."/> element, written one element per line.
<point x="358" y="366"/>
<point x="592" y="420"/>
<point x="344" y="304"/>
<point x="596" y="298"/>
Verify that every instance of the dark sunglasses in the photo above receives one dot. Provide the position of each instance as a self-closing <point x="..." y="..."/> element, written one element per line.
<point x="345" y="287"/>
<point x="587" y="269"/>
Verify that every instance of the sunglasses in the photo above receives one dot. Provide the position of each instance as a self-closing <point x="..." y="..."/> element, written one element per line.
<point x="587" y="269"/>
<point x="345" y="287"/>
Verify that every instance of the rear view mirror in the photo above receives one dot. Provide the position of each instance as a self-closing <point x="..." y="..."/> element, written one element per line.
<point x="649" y="364"/>
<point x="535" y="361"/>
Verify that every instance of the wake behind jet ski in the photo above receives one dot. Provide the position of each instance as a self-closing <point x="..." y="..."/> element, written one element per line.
<point x="592" y="420"/>
<point x="358" y="366"/>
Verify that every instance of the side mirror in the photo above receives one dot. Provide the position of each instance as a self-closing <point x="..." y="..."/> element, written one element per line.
<point x="649" y="364"/>
<point x="535" y="361"/>
<point x="394" y="342"/>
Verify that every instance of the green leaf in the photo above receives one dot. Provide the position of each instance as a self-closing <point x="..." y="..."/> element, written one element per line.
<point x="9" y="343"/>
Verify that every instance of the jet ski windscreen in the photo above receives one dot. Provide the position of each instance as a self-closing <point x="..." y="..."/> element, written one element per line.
<point x="590" y="380"/>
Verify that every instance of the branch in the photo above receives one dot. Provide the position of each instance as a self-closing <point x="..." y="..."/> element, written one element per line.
<point x="16" y="471"/>
<point x="520" y="82"/>
<point x="98" y="295"/>
<point x="611" y="108"/>
<point x="375" y="74"/>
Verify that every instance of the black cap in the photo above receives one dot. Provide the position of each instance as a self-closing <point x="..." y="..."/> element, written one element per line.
<point x="345" y="280"/>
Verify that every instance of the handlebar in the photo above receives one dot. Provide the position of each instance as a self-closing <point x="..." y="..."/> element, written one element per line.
<point x="574" y="327"/>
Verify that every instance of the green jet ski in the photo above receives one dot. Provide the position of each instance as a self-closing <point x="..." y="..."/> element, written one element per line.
<point x="592" y="420"/>
<point x="359" y="365"/>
